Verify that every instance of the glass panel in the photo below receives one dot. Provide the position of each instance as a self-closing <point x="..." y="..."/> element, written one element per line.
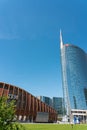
<point x="5" y="87"/>
<point x="1" y="85"/>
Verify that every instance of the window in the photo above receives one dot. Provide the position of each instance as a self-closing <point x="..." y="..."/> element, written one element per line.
<point x="75" y="105"/>
<point x="1" y="85"/>
<point x="85" y="93"/>
<point x="5" y="87"/>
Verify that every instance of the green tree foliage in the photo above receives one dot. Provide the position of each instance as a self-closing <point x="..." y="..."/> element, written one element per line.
<point x="7" y="115"/>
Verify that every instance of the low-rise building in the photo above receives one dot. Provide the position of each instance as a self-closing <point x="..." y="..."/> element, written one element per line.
<point x="27" y="105"/>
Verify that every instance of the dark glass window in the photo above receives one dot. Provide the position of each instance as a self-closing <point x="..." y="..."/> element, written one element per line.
<point x="5" y="87"/>
<point x="11" y="88"/>
<point x="85" y="93"/>
<point x="74" y="98"/>
<point x="16" y="91"/>
<point x="1" y="85"/>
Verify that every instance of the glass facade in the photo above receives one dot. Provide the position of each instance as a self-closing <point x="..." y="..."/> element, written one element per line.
<point x="74" y="75"/>
<point x="46" y="100"/>
<point x="58" y="104"/>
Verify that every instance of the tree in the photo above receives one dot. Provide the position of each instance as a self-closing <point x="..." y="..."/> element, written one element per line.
<point x="7" y="115"/>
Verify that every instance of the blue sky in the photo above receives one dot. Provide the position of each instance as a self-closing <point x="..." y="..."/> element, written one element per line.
<point x="29" y="41"/>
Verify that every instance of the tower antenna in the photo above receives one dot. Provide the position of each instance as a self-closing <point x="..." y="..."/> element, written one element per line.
<point x="61" y="40"/>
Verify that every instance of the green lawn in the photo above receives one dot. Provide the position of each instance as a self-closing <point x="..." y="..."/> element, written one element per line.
<point x="54" y="127"/>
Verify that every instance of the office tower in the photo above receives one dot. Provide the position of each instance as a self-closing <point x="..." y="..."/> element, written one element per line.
<point x="74" y="77"/>
<point x="58" y="105"/>
<point x="46" y="100"/>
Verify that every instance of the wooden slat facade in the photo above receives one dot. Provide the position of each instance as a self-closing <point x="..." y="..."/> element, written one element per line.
<point x="27" y="105"/>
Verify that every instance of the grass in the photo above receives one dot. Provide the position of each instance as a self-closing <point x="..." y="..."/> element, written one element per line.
<point x="54" y="127"/>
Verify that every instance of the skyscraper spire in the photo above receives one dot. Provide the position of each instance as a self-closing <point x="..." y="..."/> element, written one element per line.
<point x="61" y="41"/>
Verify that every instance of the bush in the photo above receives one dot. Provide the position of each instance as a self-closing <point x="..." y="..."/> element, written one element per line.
<point x="7" y="115"/>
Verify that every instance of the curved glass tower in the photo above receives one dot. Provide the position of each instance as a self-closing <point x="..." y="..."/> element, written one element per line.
<point x="74" y="76"/>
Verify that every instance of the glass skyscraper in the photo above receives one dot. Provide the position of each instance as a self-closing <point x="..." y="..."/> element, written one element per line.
<point x="58" y="105"/>
<point x="74" y="76"/>
<point x="46" y="100"/>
